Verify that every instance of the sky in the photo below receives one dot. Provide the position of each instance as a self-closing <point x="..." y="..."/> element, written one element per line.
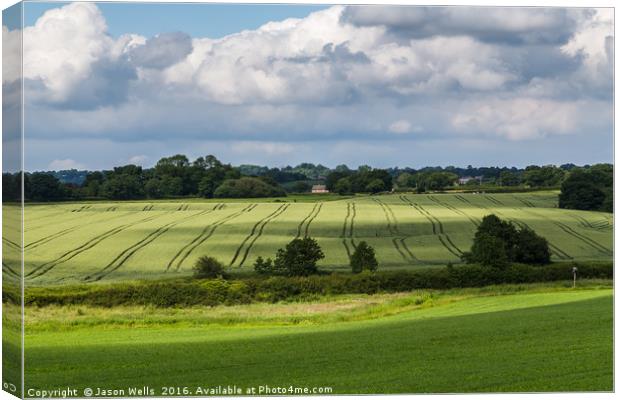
<point x="107" y="84"/>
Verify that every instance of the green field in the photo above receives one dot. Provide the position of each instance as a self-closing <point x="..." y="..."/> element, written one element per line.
<point x="510" y="338"/>
<point x="97" y="241"/>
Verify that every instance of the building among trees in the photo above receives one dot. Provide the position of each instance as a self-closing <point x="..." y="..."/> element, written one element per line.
<point x="319" y="189"/>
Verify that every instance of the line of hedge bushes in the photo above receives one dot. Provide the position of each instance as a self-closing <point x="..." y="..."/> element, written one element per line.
<point x="175" y="293"/>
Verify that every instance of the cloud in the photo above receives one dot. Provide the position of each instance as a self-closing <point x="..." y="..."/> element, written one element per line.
<point x="161" y="51"/>
<point x="400" y="126"/>
<point x="71" y="62"/>
<point x="59" y="165"/>
<point x="495" y="24"/>
<point x="268" y="148"/>
<point x="340" y="74"/>
<point x="138" y="160"/>
<point x="524" y="118"/>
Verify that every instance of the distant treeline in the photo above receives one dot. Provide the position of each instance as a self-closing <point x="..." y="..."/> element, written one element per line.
<point x="587" y="187"/>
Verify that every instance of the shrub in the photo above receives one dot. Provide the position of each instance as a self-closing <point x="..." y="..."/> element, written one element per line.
<point x="298" y="258"/>
<point x="363" y="258"/>
<point x="262" y="266"/>
<point x="487" y="250"/>
<point x="208" y="267"/>
<point x="498" y="243"/>
<point x="532" y="248"/>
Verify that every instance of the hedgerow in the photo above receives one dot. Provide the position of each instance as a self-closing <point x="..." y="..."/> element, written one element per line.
<point x="211" y="292"/>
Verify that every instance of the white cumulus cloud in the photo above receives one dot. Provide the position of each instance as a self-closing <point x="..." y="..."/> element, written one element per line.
<point x="59" y="165"/>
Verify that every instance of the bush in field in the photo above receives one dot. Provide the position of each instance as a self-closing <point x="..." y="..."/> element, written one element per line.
<point x="263" y="267"/>
<point x="208" y="267"/>
<point x="363" y="258"/>
<point x="497" y="243"/>
<point x="532" y="248"/>
<point x="298" y="258"/>
<point x="487" y="250"/>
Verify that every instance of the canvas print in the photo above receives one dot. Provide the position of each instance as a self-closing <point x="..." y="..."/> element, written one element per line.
<point x="294" y="199"/>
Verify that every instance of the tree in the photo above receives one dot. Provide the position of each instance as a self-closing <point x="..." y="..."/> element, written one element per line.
<point x="247" y="187"/>
<point x="363" y="258"/>
<point x="301" y="187"/>
<point x="208" y="267"/>
<point x="487" y="250"/>
<point x="497" y="243"/>
<point x="375" y="186"/>
<point x="405" y="180"/>
<point x="122" y="187"/>
<point x="531" y="248"/>
<point x="44" y="187"/>
<point x="92" y="183"/>
<point x="508" y="178"/>
<point x="546" y="176"/>
<point x="299" y="257"/>
<point x="343" y="186"/>
<point x="11" y="186"/>
<point x="587" y="190"/>
<point x="263" y="267"/>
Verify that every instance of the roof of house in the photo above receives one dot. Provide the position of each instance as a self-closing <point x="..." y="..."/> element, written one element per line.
<point x="319" y="187"/>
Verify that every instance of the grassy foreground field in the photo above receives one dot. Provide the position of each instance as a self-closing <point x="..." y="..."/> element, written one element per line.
<point x="93" y="242"/>
<point x="504" y="338"/>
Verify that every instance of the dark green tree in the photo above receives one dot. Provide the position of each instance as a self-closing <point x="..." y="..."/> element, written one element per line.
<point x="343" y="186"/>
<point x="375" y="186"/>
<point x="44" y="187"/>
<point x="208" y="268"/>
<point x="508" y="178"/>
<point x="299" y="257"/>
<point x="587" y="190"/>
<point x="247" y="187"/>
<point x="498" y="243"/>
<point x="363" y="258"/>
<point x="487" y="250"/>
<point x="531" y="248"/>
<point x="263" y="267"/>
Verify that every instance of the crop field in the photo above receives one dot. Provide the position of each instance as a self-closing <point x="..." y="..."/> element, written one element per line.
<point x="98" y="241"/>
<point x="523" y="338"/>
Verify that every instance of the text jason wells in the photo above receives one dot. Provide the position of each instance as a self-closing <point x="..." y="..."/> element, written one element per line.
<point x="131" y="391"/>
